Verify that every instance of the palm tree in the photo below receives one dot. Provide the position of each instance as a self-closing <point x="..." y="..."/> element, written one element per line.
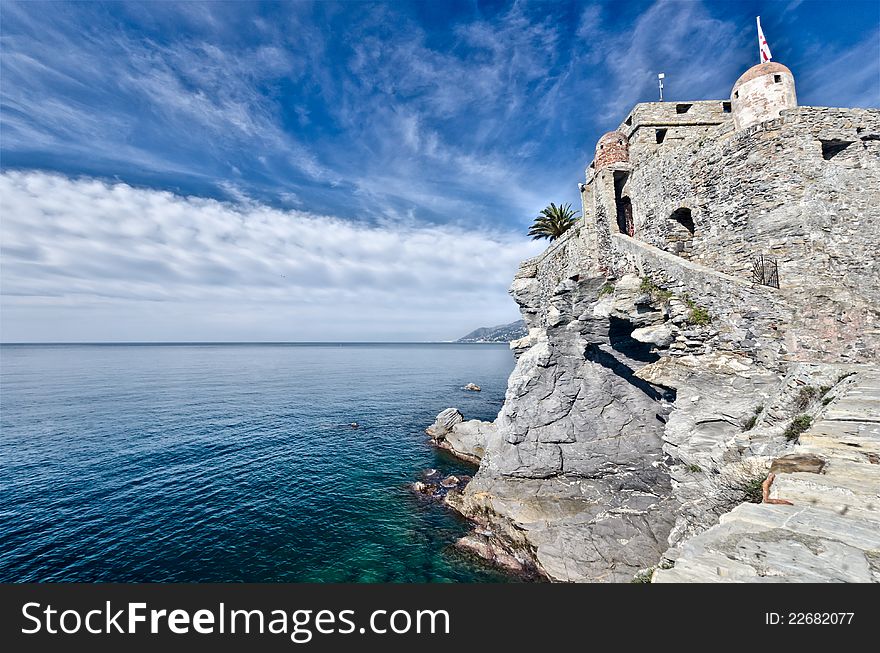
<point x="553" y="221"/>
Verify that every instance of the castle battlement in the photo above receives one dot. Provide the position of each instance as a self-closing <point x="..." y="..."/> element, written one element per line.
<point x="661" y="123"/>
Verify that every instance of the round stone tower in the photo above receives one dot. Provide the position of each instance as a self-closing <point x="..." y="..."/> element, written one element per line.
<point x="613" y="147"/>
<point x="761" y="93"/>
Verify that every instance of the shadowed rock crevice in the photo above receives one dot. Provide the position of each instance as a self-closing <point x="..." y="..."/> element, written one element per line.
<point x="606" y="360"/>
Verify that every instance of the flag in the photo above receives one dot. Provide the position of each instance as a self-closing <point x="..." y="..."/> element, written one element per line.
<point x="763" y="48"/>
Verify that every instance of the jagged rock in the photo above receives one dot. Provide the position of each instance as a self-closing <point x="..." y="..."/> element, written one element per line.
<point x="444" y="422"/>
<point x="450" y="482"/>
<point x="466" y="440"/>
<point x="473" y="387"/>
<point x="572" y="474"/>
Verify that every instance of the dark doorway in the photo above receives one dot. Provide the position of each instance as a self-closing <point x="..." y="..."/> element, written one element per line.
<point x="625" y="216"/>
<point x="625" y="224"/>
<point x="680" y="235"/>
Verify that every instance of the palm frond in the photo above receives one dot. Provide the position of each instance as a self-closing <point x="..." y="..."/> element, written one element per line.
<point x="553" y="221"/>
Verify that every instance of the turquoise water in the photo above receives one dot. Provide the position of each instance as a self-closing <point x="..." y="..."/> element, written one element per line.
<point x="233" y="462"/>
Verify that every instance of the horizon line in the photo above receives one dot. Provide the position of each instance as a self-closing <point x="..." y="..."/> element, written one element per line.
<point x="252" y="342"/>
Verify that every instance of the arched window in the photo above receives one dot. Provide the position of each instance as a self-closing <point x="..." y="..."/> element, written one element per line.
<point x="683" y="217"/>
<point x="680" y="234"/>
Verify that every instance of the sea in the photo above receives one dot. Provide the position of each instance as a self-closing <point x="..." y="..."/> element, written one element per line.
<point x="234" y="462"/>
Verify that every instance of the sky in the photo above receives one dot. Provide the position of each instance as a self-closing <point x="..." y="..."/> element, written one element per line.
<point x="337" y="170"/>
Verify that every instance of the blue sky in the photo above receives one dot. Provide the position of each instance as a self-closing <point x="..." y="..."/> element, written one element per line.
<point x="355" y="171"/>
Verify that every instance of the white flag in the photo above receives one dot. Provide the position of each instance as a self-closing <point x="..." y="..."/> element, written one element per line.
<point x="763" y="48"/>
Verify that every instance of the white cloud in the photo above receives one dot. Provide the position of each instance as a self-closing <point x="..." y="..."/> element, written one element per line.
<point x="87" y="260"/>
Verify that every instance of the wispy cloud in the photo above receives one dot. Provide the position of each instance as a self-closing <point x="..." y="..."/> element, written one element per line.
<point x="95" y="251"/>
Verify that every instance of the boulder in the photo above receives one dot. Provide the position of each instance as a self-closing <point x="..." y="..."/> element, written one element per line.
<point x="443" y="423"/>
<point x="660" y="335"/>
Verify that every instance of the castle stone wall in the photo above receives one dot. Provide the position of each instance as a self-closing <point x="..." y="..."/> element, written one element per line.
<point x="803" y="190"/>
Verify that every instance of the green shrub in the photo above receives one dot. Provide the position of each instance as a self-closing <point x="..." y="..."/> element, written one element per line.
<point x="607" y="289"/>
<point x="749" y="423"/>
<point x="694" y="469"/>
<point x="648" y="286"/>
<point x="753" y="490"/>
<point x="699" y="316"/>
<point x="643" y="576"/>
<point x="827" y="400"/>
<point x="805" y="396"/>
<point x="798" y="425"/>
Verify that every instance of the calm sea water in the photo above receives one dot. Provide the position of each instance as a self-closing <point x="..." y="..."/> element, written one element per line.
<point x="232" y="462"/>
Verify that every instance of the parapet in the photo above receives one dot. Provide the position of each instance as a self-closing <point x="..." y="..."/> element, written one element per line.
<point x="655" y="123"/>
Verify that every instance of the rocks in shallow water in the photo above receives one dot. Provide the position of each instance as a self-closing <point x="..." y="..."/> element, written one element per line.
<point x="466" y="440"/>
<point x="473" y="387"/>
<point x="444" y="422"/>
<point x="439" y="489"/>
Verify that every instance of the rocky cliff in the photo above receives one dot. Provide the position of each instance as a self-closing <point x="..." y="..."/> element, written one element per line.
<point x="660" y="383"/>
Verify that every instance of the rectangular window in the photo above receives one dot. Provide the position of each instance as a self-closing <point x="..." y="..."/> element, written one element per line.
<point x="777" y="79"/>
<point x="725" y="107"/>
<point x="682" y="108"/>
<point x="661" y="134"/>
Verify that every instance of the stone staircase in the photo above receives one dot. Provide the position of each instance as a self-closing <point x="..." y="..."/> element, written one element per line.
<point x="831" y="533"/>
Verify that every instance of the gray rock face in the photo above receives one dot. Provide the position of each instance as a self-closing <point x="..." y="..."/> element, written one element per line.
<point x="831" y="530"/>
<point x="573" y="474"/>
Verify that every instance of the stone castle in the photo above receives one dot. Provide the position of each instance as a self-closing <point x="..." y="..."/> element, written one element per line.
<point x="697" y="397"/>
